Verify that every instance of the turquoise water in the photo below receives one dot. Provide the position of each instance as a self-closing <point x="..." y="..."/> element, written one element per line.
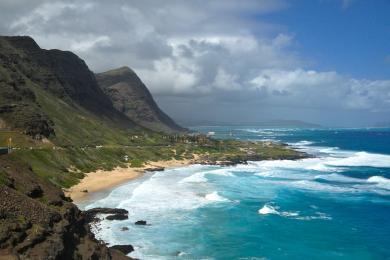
<point x="333" y="206"/>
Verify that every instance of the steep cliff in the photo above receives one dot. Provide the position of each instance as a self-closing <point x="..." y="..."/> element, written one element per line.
<point x="29" y="76"/>
<point x="131" y="97"/>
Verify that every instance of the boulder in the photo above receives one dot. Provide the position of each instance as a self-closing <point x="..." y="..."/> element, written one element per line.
<point x="141" y="223"/>
<point x="117" y="217"/>
<point x="126" y="249"/>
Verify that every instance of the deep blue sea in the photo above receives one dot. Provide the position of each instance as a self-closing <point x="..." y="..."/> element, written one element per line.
<point x="333" y="206"/>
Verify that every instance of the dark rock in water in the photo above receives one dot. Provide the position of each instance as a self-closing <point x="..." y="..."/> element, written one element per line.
<point x="85" y="191"/>
<point x="140" y="222"/>
<point x="106" y="211"/>
<point x="124" y="228"/>
<point x="91" y="214"/>
<point x="126" y="249"/>
<point x="157" y="169"/>
<point x="117" y="217"/>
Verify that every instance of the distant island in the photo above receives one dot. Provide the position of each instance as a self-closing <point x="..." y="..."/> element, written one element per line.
<point x="61" y="123"/>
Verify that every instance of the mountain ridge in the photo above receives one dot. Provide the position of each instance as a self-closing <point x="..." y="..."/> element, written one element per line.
<point x="38" y="85"/>
<point x="131" y="97"/>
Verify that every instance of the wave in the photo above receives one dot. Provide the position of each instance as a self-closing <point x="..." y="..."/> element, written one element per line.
<point x="201" y="176"/>
<point x="318" y="164"/>
<point x="333" y="161"/>
<point x="380" y="182"/>
<point x="318" y="215"/>
<point x="301" y="143"/>
<point x="195" y="178"/>
<point x="214" y="196"/>
<point x="267" y="132"/>
<point x="268" y="209"/>
<point x="334" y="177"/>
<point x="363" y="159"/>
<point x="322" y="187"/>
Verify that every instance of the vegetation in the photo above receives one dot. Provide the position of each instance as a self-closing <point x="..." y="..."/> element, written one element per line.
<point x="3" y="178"/>
<point x="66" y="165"/>
<point x="63" y="125"/>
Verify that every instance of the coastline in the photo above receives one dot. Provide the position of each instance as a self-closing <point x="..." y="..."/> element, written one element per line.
<point x="101" y="180"/>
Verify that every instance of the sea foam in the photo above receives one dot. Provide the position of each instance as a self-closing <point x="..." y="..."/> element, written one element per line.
<point x="214" y="196"/>
<point x="363" y="159"/>
<point x="380" y="181"/>
<point x="268" y="209"/>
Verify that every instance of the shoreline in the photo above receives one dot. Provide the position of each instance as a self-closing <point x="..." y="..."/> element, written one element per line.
<point x="102" y="180"/>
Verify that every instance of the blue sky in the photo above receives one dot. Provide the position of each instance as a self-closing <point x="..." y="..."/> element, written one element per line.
<point x="352" y="39"/>
<point x="321" y="61"/>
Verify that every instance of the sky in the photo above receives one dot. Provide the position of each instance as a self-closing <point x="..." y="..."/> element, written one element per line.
<point x="320" y="61"/>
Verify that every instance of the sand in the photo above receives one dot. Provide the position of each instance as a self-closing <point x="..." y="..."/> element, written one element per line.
<point x="103" y="180"/>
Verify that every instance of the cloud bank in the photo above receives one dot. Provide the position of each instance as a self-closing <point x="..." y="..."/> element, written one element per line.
<point x="211" y="60"/>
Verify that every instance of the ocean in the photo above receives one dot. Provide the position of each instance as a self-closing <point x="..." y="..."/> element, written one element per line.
<point x="333" y="206"/>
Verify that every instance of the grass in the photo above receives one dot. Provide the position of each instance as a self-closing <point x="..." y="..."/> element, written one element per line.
<point x="65" y="166"/>
<point x="137" y="163"/>
<point x="3" y="178"/>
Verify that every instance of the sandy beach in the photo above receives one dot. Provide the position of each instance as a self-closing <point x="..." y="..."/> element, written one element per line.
<point x="102" y="180"/>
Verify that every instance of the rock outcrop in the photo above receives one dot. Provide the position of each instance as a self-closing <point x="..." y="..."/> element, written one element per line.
<point x="113" y="214"/>
<point x="131" y="97"/>
<point x="38" y="222"/>
<point x="126" y="249"/>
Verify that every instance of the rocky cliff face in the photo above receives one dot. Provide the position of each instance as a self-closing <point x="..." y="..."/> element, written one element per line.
<point x="38" y="222"/>
<point x="131" y="97"/>
<point x="25" y="68"/>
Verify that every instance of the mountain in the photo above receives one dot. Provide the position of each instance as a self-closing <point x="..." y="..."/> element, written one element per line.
<point x="43" y="92"/>
<point x="131" y="97"/>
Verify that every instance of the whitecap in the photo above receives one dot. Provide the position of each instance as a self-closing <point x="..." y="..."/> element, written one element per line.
<point x="338" y="178"/>
<point x="201" y="176"/>
<point x="273" y="210"/>
<point x="214" y="196"/>
<point x="195" y="178"/>
<point x="268" y="209"/>
<point x="318" y="215"/>
<point x="221" y="172"/>
<point x="380" y="182"/>
<point x="363" y="159"/>
<point x="302" y="143"/>
<point x="316" y="186"/>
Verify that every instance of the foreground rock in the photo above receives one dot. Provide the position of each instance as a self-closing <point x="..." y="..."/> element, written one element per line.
<point x="49" y="228"/>
<point x="117" y="217"/>
<point x="126" y="249"/>
<point x="113" y="214"/>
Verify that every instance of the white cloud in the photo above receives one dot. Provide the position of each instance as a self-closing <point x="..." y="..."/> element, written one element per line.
<point x="323" y="90"/>
<point x="210" y="50"/>
<point x="89" y="43"/>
